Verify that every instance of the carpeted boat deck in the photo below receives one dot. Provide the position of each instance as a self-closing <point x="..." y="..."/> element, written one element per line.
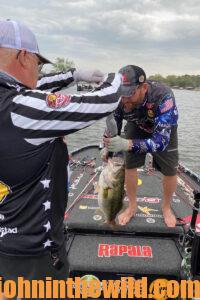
<point x="145" y="246"/>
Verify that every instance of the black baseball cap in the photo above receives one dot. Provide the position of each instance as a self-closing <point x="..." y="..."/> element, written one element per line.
<point x="132" y="77"/>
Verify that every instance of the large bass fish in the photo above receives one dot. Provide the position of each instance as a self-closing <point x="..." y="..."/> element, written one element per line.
<point x="111" y="189"/>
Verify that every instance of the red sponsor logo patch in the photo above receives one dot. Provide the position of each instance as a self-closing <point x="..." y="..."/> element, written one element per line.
<point x="149" y="105"/>
<point x="57" y="100"/>
<point x="146" y="199"/>
<point x="167" y="105"/>
<point x="125" y="80"/>
<point x="107" y="250"/>
<point x="149" y="200"/>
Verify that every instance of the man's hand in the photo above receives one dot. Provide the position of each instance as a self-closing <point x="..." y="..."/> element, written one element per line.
<point x="88" y="76"/>
<point x="117" y="144"/>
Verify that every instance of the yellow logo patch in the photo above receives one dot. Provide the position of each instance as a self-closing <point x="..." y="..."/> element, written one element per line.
<point x="51" y="98"/>
<point x="4" y="191"/>
<point x="146" y="210"/>
<point x="150" y="113"/>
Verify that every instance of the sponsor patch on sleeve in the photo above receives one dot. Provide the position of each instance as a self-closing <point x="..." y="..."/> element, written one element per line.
<point x="167" y="105"/>
<point x="4" y="191"/>
<point x="57" y="100"/>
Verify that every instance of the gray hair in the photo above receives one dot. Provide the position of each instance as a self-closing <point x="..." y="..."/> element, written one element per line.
<point x="6" y="56"/>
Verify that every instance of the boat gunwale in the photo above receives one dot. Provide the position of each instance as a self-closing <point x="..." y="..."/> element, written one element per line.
<point x="181" y="166"/>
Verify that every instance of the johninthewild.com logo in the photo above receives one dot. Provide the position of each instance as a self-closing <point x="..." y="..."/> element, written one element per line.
<point x="90" y="286"/>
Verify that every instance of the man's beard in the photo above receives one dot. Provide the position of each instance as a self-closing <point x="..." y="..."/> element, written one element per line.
<point x="129" y="107"/>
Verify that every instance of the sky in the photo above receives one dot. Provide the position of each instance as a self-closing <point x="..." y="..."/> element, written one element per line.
<point x="161" y="36"/>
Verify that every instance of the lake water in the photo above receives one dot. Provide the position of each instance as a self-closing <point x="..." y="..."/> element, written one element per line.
<point x="188" y="103"/>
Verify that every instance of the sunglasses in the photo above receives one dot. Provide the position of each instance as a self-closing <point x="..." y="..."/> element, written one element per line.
<point x="40" y="63"/>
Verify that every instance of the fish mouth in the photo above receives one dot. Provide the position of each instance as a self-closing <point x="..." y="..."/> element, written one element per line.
<point x="118" y="170"/>
<point x="118" y="162"/>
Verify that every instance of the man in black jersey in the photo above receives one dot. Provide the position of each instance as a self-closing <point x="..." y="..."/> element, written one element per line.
<point x="33" y="155"/>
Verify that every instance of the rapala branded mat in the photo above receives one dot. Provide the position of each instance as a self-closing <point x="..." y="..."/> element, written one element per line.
<point x="93" y="254"/>
<point x="117" y="258"/>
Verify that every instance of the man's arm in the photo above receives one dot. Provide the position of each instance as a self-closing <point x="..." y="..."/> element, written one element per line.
<point x="56" y="81"/>
<point x="41" y="116"/>
<point x="167" y="117"/>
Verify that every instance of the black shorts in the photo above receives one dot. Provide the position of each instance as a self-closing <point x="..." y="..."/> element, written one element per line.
<point x="165" y="161"/>
<point x="33" y="267"/>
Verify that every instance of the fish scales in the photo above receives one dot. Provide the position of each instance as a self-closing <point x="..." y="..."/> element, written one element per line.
<point x="111" y="188"/>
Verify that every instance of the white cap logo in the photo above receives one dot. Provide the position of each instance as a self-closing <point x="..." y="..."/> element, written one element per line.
<point x="141" y="78"/>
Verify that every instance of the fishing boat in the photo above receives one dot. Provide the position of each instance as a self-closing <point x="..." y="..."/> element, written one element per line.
<point x="84" y="87"/>
<point x="145" y="247"/>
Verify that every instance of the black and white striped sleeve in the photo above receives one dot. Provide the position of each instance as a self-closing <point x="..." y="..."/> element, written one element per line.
<point x="55" y="82"/>
<point x="41" y="116"/>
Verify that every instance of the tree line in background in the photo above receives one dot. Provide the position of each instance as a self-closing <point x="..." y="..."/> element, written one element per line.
<point x="60" y="65"/>
<point x="174" y="81"/>
<point x="181" y="81"/>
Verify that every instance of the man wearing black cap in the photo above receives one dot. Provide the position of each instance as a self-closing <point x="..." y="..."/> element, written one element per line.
<point x="151" y="113"/>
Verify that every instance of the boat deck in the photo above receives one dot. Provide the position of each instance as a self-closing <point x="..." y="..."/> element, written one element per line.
<point x="83" y="213"/>
<point x="145" y="246"/>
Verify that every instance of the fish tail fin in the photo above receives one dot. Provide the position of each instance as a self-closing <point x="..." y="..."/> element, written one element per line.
<point x="112" y="224"/>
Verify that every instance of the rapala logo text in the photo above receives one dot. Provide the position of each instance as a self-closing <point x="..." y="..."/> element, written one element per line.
<point x="106" y="250"/>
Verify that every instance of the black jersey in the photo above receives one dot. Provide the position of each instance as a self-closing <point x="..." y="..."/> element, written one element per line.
<point x="33" y="157"/>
